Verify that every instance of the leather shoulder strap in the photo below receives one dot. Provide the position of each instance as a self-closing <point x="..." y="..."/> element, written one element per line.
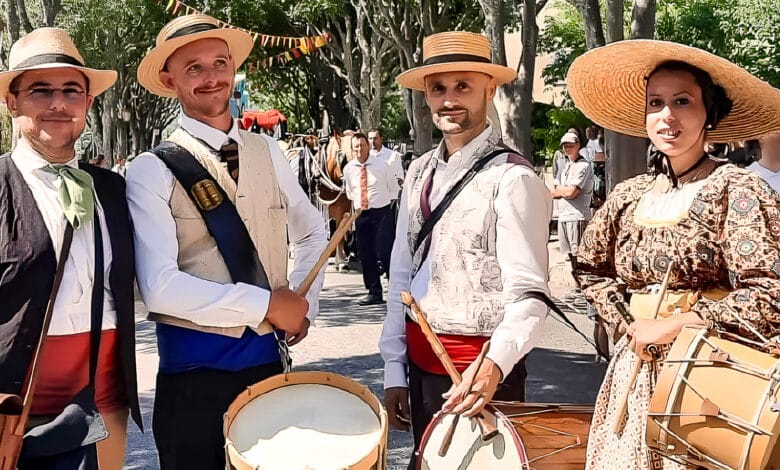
<point x="33" y="379"/>
<point x="220" y="215"/>
<point x="544" y="298"/>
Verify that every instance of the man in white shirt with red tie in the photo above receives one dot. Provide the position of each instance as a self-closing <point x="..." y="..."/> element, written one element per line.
<point x="371" y="185"/>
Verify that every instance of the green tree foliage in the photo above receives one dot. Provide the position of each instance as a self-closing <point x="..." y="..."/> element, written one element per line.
<point x="747" y="32"/>
<point x="563" y="36"/>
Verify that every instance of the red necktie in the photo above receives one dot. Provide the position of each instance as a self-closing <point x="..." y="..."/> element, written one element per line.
<point x="363" y="187"/>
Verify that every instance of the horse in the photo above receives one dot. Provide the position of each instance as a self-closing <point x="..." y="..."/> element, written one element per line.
<point x="339" y="153"/>
<point x="320" y="176"/>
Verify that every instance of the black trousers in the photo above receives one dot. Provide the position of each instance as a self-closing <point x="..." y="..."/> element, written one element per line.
<point x="188" y="414"/>
<point x="425" y="397"/>
<point x="374" y="236"/>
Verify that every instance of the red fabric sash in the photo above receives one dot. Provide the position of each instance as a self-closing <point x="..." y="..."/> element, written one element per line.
<point x="463" y="350"/>
<point x="64" y="372"/>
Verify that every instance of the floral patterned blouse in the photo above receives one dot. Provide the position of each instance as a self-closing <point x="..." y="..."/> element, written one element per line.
<point x="725" y="234"/>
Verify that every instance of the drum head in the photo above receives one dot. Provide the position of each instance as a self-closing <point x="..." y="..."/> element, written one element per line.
<point x="305" y="426"/>
<point x="467" y="450"/>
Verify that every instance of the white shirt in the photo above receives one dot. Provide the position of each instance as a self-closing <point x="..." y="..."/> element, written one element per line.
<point x="382" y="186"/>
<point x="393" y="159"/>
<point x="73" y="306"/>
<point x="522" y="255"/>
<point x="166" y="289"/>
<point x="771" y="177"/>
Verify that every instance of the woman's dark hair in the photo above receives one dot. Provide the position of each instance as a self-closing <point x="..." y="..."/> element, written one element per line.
<point x="716" y="101"/>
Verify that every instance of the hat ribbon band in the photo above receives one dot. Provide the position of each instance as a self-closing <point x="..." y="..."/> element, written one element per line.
<point x="445" y="58"/>
<point x="48" y="59"/>
<point x="192" y="29"/>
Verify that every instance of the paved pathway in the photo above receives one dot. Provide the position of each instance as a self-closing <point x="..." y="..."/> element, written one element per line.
<point x="345" y="341"/>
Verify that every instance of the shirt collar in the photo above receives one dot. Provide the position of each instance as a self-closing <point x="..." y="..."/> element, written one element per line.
<point x="28" y="159"/>
<point x="212" y="137"/>
<point x="464" y="154"/>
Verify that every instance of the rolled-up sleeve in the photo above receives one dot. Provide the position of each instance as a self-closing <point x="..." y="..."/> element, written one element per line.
<point x="524" y="208"/>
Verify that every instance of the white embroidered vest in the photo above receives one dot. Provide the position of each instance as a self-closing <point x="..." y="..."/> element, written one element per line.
<point x="465" y="282"/>
<point x="260" y="205"/>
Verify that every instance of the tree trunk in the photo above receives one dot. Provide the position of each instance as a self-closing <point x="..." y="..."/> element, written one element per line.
<point x="494" y="28"/>
<point x="423" y="123"/>
<point x="591" y="16"/>
<point x="643" y="19"/>
<point x="516" y="98"/>
<point x="615" y="10"/>
<point x="627" y="156"/>
<point x="50" y="10"/>
<point x="24" y="19"/>
<point x="107" y="116"/>
<point x="14" y="28"/>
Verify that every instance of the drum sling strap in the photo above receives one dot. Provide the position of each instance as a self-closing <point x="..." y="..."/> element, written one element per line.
<point x="431" y="217"/>
<point x="14" y="409"/>
<point x="223" y="223"/>
<point x="220" y="215"/>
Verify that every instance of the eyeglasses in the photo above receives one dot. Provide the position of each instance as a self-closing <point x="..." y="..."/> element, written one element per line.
<point x="46" y="94"/>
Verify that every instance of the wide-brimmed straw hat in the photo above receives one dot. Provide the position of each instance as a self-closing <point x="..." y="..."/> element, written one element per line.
<point x="608" y="85"/>
<point x="184" y="30"/>
<point x="51" y="48"/>
<point x="455" y="51"/>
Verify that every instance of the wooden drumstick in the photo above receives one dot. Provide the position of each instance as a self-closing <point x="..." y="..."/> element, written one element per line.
<point x="617" y="426"/>
<point x="487" y="428"/>
<point x="338" y="235"/>
<point x="447" y="440"/>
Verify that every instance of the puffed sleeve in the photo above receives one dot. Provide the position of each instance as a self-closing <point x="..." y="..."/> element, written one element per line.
<point x="596" y="254"/>
<point x="742" y="211"/>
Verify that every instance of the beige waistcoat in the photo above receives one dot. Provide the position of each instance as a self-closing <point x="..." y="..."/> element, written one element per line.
<point x="260" y="205"/>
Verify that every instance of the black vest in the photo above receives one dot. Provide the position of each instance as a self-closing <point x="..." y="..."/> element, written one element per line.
<point x="28" y="265"/>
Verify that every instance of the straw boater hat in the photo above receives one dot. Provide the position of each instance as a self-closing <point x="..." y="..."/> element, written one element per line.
<point x="455" y="51"/>
<point x="608" y="85"/>
<point x="51" y="48"/>
<point x="184" y="30"/>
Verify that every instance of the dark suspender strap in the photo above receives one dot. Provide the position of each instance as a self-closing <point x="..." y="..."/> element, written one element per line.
<point x="220" y="215"/>
<point x="98" y="297"/>
<point x="437" y="213"/>
<point x="541" y="296"/>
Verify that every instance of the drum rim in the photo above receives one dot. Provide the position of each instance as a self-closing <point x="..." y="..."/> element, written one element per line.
<point x="437" y="418"/>
<point x="279" y="381"/>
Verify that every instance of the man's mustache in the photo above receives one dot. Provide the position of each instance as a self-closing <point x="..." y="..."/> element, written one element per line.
<point x="212" y="87"/>
<point x="448" y="109"/>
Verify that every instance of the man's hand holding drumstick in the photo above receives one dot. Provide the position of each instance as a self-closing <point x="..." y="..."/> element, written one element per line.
<point x="469" y="397"/>
<point x="285" y="306"/>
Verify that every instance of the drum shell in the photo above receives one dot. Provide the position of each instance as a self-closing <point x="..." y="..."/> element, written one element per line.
<point x="555" y="436"/>
<point x="749" y="396"/>
<point x="376" y="460"/>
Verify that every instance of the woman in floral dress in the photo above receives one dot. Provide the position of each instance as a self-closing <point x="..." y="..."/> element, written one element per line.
<point x="718" y="224"/>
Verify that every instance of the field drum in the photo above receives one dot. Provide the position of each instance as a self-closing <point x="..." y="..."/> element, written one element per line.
<point x="306" y="420"/>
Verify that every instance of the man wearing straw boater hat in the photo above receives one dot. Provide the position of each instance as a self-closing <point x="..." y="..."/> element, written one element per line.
<point x="470" y="270"/>
<point x="60" y="216"/>
<point x="213" y="208"/>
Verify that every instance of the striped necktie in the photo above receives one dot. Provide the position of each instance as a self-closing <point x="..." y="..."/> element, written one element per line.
<point x="363" y="187"/>
<point x="229" y="153"/>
